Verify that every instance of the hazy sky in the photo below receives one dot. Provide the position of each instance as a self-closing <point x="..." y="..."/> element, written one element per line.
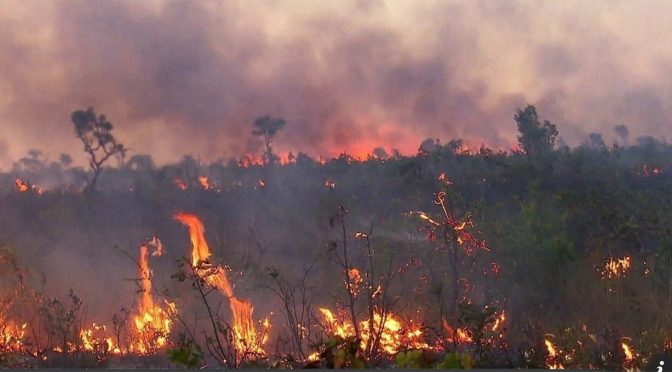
<point x="179" y="77"/>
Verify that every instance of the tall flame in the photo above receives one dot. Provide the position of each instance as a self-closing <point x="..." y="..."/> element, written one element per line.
<point x="152" y="323"/>
<point x="247" y="339"/>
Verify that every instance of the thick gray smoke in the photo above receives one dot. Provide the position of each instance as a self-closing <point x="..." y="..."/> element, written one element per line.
<point x="181" y="77"/>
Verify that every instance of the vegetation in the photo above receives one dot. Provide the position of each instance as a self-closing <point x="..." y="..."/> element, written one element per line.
<point x="95" y="133"/>
<point x="492" y="255"/>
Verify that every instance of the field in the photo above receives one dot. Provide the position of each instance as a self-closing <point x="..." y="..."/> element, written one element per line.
<point x="452" y="258"/>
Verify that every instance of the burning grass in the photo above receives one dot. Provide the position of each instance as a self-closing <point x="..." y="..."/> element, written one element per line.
<point x="426" y="290"/>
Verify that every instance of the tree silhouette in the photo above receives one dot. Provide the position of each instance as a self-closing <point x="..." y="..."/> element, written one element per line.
<point x="95" y="132"/>
<point x="536" y="138"/>
<point x="267" y="127"/>
<point x="622" y="132"/>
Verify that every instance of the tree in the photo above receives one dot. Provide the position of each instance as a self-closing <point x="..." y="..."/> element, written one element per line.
<point x="428" y="146"/>
<point x="596" y="141"/>
<point x="622" y="132"/>
<point x="267" y="127"/>
<point x="536" y="138"/>
<point x="95" y="132"/>
<point x="380" y="153"/>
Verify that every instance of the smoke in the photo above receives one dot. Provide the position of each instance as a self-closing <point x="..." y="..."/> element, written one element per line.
<point x="190" y="77"/>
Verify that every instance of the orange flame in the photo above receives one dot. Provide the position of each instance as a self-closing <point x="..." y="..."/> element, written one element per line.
<point x="616" y="268"/>
<point x="180" y="184"/>
<point x="553" y="355"/>
<point x="499" y="321"/>
<point x="22" y="186"/>
<point x="459" y="335"/>
<point x="96" y="339"/>
<point x="444" y="178"/>
<point x="393" y="336"/>
<point x="11" y="337"/>
<point x="151" y="326"/>
<point x="247" y="339"/>
<point x="629" y="353"/>
<point x="356" y="281"/>
<point x="203" y="180"/>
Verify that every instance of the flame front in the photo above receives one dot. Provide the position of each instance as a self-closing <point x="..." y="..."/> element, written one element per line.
<point x="393" y="336"/>
<point x="247" y="339"/>
<point x="97" y="339"/>
<point x="11" y="337"/>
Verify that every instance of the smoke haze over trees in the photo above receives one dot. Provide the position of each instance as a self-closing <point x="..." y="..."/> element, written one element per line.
<point x="349" y="75"/>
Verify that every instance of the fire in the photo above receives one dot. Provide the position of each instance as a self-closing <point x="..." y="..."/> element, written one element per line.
<point x="151" y="325"/>
<point x="499" y="322"/>
<point x="422" y="215"/>
<point x="247" y="339"/>
<point x="180" y="184"/>
<point x="444" y="178"/>
<point x="249" y="161"/>
<point x="551" y="349"/>
<point x="649" y="171"/>
<point x="11" y="337"/>
<point x="393" y="336"/>
<point x="459" y="335"/>
<point x="355" y="281"/>
<point x="337" y="327"/>
<point x="463" y="336"/>
<point x="616" y="268"/>
<point x="22" y="186"/>
<point x="629" y="353"/>
<point x="553" y="356"/>
<point x="96" y="339"/>
<point x="203" y="180"/>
